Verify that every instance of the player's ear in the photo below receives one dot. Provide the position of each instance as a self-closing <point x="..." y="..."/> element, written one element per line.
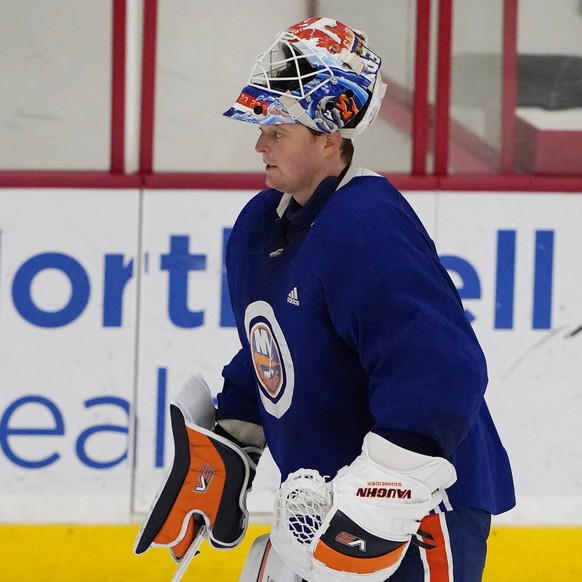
<point x="333" y="141"/>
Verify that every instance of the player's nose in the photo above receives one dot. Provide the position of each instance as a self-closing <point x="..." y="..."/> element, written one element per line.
<point x="261" y="145"/>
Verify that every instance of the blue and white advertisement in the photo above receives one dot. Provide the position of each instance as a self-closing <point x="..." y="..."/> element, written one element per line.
<point x="110" y="299"/>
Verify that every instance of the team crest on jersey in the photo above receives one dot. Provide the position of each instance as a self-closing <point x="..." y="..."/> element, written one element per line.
<point x="271" y="358"/>
<point x="266" y="358"/>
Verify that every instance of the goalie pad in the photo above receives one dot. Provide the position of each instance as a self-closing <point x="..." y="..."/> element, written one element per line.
<point x="205" y="492"/>
<point x="358" y="526"/>
<point x="263" y="564"/>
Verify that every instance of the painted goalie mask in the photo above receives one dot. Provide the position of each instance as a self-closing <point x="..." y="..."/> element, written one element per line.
<point x="320" y="73"/>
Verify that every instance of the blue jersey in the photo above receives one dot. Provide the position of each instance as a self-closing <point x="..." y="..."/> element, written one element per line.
<point x="355" y="326"/>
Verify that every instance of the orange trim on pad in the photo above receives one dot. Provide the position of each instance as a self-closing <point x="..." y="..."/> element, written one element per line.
<point x="438" y="557"/>
<point x="338" y="561"/>
<point x="264" y="562"/>
<point x="204" y="454"/>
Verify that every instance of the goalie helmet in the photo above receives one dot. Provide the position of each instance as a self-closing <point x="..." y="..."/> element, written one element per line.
<point x="320" y="73"/>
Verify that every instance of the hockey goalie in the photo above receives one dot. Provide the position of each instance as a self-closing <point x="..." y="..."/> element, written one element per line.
<point x="358" y="367"/>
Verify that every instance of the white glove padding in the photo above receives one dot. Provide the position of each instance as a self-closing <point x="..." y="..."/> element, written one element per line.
<point x="205" y="492"/>
<point x="359" y="526"/>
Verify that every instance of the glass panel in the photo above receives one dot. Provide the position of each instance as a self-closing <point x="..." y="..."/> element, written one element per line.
<point x="391" y="27"/>
<point x="55" y="66"/>
<point x="548" y="132"/>
<point x="386" y="146"/>
<point x="476" y="86"/>
<point x="204" y="60"/>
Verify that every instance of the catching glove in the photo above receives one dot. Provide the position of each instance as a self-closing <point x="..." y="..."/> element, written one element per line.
<point x="358" y="526"/>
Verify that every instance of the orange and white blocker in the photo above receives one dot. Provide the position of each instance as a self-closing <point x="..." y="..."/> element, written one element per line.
<point x="204" y="495"/>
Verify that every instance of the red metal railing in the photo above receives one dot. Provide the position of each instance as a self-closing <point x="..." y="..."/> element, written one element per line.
<point x="420" y="116"/>
<point x="452" y="142"/>
<point x="148" y="87"/>
<point x="118" y="87"/>
<point x="509" y="86"/>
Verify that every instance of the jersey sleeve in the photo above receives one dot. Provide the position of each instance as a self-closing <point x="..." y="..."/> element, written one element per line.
<point x="398" y="309"/>
<point x="239" y="397"/>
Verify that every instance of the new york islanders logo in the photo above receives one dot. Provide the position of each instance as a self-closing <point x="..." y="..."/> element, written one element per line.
<point x="266" y="358"/>
<point x="271" y="358"/>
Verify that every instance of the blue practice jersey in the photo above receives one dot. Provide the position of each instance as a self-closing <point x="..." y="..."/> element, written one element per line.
<point x="355" y="326"/>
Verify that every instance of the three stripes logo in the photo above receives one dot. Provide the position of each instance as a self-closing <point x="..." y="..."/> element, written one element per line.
<point x="293" y="297"/>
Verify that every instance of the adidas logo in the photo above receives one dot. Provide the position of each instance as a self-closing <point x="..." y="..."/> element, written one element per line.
<point x="293" y="298"/>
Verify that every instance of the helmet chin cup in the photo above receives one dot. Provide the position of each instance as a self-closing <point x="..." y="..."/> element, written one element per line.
<point x="319" y="73"/>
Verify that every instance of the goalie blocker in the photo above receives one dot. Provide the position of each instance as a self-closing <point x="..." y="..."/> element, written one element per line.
<point x="204" y="495"/>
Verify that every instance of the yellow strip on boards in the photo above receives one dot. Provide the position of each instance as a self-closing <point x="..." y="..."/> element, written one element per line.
<point x="62" y="553"/>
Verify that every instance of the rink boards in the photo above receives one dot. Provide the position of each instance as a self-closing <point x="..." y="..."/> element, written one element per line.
<point x="109" y="299"/>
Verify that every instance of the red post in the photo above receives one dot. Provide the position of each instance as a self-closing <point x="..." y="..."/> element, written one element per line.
<point x="117" y="148"/>
<point x="443" y="89"/>
<point x="420" y="114"/>
<point x="509" y="90"/>
<point x="148" y="82"/>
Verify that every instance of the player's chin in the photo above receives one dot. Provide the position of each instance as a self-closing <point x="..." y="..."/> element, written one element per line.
<point x="272" y="179"/>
